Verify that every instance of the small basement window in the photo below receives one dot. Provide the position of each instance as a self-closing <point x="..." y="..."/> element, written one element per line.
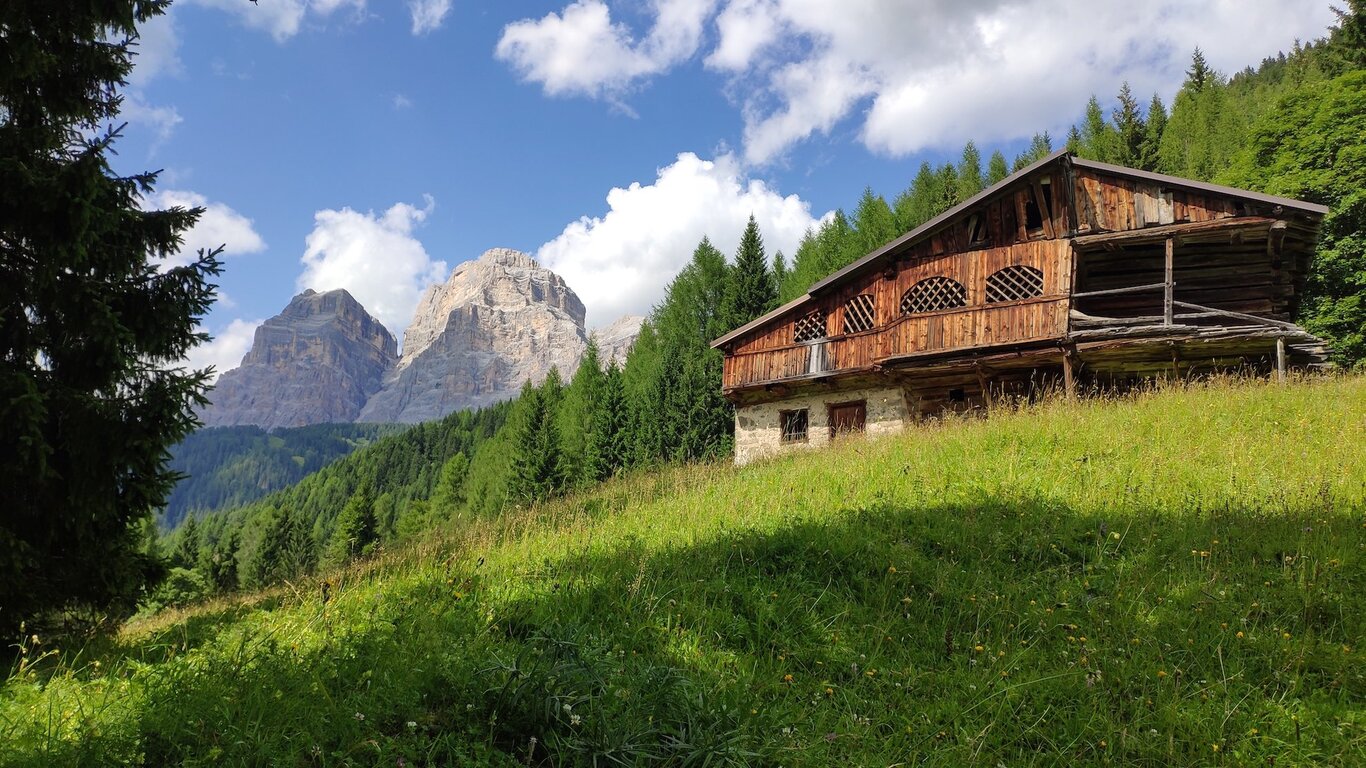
<point x="809" y="327"/>
<point x="793" y="424"/>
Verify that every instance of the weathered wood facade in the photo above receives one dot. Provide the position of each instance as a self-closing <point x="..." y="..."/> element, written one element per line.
<point x="1069" y="270"/>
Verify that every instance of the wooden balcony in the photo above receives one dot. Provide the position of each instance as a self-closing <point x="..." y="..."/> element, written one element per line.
<point x="965" y="328"/>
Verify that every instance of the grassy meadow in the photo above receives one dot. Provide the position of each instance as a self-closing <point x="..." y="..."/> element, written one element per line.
<point x="1172" y="578"/>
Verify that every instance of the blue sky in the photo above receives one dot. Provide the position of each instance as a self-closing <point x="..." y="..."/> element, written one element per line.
<point x="375" y="144"/>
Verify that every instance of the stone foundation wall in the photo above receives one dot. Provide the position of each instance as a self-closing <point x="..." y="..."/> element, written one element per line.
<point x="758" y="428"/>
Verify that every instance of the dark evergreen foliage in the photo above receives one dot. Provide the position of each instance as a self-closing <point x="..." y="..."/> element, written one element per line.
<point x="93" y="325"/>
<point x="751" y="290"/>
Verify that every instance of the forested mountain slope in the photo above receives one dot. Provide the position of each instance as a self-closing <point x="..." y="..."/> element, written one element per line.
<point x="231" y="466"/>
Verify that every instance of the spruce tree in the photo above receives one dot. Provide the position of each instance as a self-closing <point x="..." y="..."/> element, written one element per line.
<point x="874" y="223"/>
<point x="948" y="189"/>
<point x="1156" y="124"/>
<point x="576" y="413"/>
<point x="997" y="169"/>
<point x="92" y="328"/>
<point x="609" y="440"/>
<point x="1098" y="138"/>
<point x="750" y="292"/>
<point x="537" y="471"/>
<point x="1129" y="127"/>
<point x="187" y="549"/>
<point x="357" y="529"/>
<point x="969" y="172"/>
<point x="780" y="272"/>
<point x="918" y="204"/>
<point x="449" y="494"/>
<point x="1199" y="72"/>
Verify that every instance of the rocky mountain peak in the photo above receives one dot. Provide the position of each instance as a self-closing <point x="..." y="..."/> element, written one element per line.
<point x="497" y="321"/>
<point x="317" y="361"/>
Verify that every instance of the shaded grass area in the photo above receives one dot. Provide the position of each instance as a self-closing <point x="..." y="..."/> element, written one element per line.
<point x="1175" y="578"/>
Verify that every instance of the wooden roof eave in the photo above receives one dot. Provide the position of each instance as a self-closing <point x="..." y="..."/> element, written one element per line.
<point x="1199" y="186"/>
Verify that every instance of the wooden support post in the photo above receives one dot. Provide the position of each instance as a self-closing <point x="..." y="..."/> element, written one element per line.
<point x="1280" y="359"/>
<point x="1069" y="380"/>
<point x="984" y="384"/>
<point x="1167" y="285"/>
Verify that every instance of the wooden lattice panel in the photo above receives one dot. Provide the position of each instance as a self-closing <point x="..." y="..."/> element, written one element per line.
<point x="859" y="314"/>
<point x="933" y="294"/>
<point x="809" y="327"/>
<point x="1014" y="283"/>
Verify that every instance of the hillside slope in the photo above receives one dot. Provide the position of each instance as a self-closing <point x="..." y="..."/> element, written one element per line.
<point x="1170" y="579"/>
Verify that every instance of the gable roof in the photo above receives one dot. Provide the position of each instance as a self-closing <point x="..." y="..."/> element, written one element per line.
<point x="944" y="218"/>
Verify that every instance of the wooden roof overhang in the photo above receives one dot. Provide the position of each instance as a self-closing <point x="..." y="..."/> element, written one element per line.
<point x="1302" y="220"/>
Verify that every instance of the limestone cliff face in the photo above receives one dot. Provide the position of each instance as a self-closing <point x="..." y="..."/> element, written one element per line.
<point x="615" y="340"/>
<point x="497" y="322"/>
<point x="316" y="362"/>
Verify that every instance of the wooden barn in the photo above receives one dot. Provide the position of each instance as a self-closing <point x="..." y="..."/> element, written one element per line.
<point x="1067" y="273"/>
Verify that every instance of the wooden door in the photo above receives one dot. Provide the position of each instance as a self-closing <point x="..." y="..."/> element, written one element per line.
<point x="847" y="417"/>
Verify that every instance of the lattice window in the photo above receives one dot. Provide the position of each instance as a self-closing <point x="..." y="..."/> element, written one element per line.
<point x="859" y="314"/>
<point x="1013" y="283"/>
<point x="933" y="294"/>
<point x="793" y="424"/>
<point x="809" y="327"/>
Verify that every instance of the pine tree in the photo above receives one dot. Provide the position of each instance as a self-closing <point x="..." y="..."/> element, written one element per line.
<point x="780" y="272"/>
<point x="576" y="411"/>
<point x="1199" y="72"/>
<point x="357" y="529"/>
<point x="750" y="292"/>
<point x="969" y="172"/>
<point x="449" y="494"/>
<point x="1129" y="128"/>
<point x="1150" y="149"/>
<point x="537" y="469"/>
<point x="609" y="440"/>
<point x="1347" y="41"/>
<point x="92" y="332"/>
<point x="997" y="170"/>
<point x="1073" y="144"/>
<point x="187" y="549"/>
<point x="1098" y="138"/>
<point x="1040" y="146"/>
<point x="948" y="189"/>
<point x="874" y="223"/>
<point x="287" y="549"/>
<point x="221" y="563"/>
<point x="920" y="203"/>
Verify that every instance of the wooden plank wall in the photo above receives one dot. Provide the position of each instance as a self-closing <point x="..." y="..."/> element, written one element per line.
<point x="1115" y="204"/>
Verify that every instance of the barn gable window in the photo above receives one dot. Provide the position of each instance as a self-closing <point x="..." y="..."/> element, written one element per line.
<point x="933" y="294"/>
<point x="977" y="229"/>
<point x="793" y="424"/>
<point x="859" y="314"/>
<point x="1014" y="283"/>
<point x="809" y="327"/>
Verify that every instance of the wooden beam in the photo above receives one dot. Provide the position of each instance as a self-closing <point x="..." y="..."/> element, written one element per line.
<point x="1069" y="381"/>
<point x="1193" y="231"/>
<point x="1112" y="291"/>
<point x="1280" y="359"/>
<point x="1239" y="315"/>
<point x="1167" y="283"/>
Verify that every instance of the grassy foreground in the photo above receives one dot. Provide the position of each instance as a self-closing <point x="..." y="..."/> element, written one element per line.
<point x="1173" y="579"/>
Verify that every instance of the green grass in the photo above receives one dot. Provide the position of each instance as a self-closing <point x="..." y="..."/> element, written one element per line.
<point x="1171" y="579"/>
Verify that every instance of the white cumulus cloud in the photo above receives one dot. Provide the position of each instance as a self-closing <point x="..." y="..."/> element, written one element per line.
<point x="581" y="51"/>
<point x="428" y="15"/>
<point x="373" y="256"/>
<point x="928" y="74"/>
<point x="225" y="352"/>
<point x="157" y="51"/>
<point x="219" y="225"/>
<point x="282" y="19"/>
<point x="619" y="263"/>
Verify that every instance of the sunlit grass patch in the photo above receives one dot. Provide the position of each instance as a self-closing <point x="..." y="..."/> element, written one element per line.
<point x="1171" y="578"/>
